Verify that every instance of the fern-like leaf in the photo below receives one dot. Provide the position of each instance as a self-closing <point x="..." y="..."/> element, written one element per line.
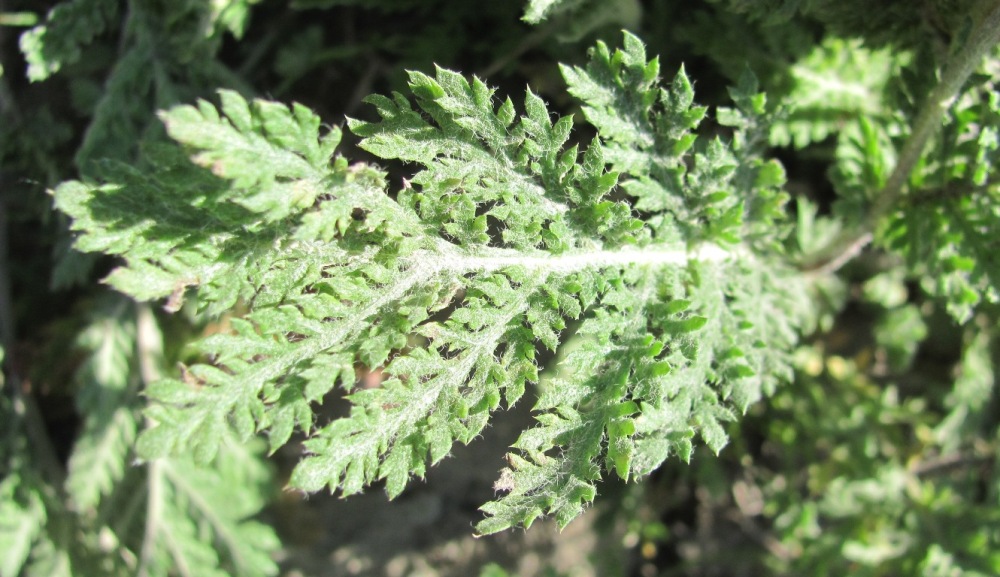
<point x="101" y="454"/>
<point x="68" y="27"/>
<point x="197" y="517"/>
<point x="22" y="523"/>
<point x="836" y="83"/>
<point x="506" y="239"/>
<point x="947" y="226"/>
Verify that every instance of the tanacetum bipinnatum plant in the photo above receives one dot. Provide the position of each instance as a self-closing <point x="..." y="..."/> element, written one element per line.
<point x="637" y="267"/>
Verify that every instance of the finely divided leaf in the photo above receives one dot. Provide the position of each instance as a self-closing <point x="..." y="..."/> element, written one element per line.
<point x="22" y="522"/>
<point x="836" y="83"/>
<point x="506" y="239"/>
<point x="110" y="426"/>
<point x="946" y="227"/>
<point x="198" y="517"/>
<point x="68" y="27"/>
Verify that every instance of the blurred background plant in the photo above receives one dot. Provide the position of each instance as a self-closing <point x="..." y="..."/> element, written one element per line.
<point x="880" y="458"/>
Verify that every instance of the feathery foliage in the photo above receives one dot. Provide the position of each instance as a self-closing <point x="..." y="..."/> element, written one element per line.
<point x="364" y="294"/>
<point x="68" y="27"/>
<point x="503" y="240"/>
<point x="948" y="227"/>
<point x="852" y="84"/>
<point x="170" y="517"/>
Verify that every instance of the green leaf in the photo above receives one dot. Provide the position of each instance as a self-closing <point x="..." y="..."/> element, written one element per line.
<point x="945" y="229"/>
<point x="536" y="9"/>
<point x="838" y="82"/>
<point x="967" y="401"/>
<point x="68" y="27"/>
<point x="110" y="426"/>
<point x="22" y="523"/>
<point x="100" y="456"/>
<point x="201" y="516"/>
<point x="503" y="238"/>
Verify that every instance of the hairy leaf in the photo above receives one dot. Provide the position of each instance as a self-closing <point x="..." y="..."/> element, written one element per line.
<point x="505" y="239"/>
<point x="68" y="27"/>
<point x="947" y="226"/>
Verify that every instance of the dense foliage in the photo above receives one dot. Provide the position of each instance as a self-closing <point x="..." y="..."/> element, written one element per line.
<point x="373" y="275"/>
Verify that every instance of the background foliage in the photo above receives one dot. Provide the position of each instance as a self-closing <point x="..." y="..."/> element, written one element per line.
<point x="876" y="457"/>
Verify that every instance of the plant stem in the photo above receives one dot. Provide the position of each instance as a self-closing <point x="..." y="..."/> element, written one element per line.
<point x="959" y="66"/>
<point x="149" y="344"/>
<point x="149" y="349"/>
<point x="154" y="514"/>
<point x="449" y="259"/>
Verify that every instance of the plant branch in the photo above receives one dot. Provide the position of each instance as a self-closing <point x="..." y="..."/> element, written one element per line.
<point x="946" y="464"/>
<point x="956" y="71"/>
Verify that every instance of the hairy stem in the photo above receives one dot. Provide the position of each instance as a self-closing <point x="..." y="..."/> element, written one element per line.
<point x="447" y="258"/>
<point x="984" y="36"/>
<point x="149" y="347"/>
<point x="149" y="344"/>
<point x="154" y="516"/>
